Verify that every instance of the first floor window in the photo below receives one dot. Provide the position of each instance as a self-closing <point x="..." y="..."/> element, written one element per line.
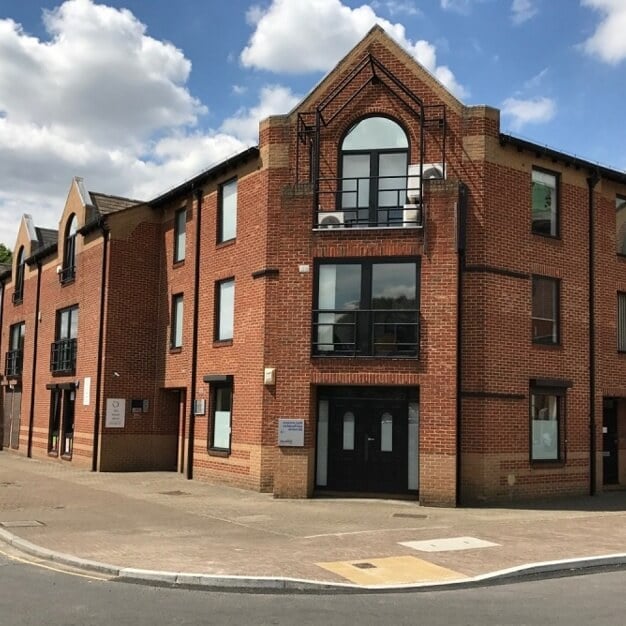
<point x="620" y="225"/>
<point x="180" y="224"/>
<point x="225" y="309"/>
<point x="176" y="338"/>
<point x="545" y="409"/>
<point x="221" y="412"/>
<point x="544" y="203"/>
<point x="545" y="328"/>
<point x="621" y="322"/>
<point x="227" y="226"/>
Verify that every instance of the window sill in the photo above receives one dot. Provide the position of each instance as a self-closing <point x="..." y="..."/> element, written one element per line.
<point x="222" y="343"/>
<point x="54" y="454"/>
<point x="373" y="357"/>
<point x="226" y="244"/>
<point x="176" y="349"/>
<point x="68" y="281"/>
<point x="544" y="236"/>
<point x="178" y="264"/>
<point x="221" y="452"/>
<point x="547" y="464"/>
<point x="551" y="346"/>
<point x="18" y="302"/>
<point x="66" y="457"/>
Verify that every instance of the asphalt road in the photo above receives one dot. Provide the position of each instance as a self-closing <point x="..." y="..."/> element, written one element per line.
<point x="35" y="594"/>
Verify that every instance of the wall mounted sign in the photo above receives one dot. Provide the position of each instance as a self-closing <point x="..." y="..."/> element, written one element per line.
<point x="291" y="433"/>
<point x="116" y="413"/>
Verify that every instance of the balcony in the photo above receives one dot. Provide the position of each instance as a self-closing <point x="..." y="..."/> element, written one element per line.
<point x="17" y="297"/>
<point x="371" y="332"/>
<point x="13" y="363"/>
<point x="369" y="202"/>
<point x="67" y="274"/>
<point x="63" y="356"/>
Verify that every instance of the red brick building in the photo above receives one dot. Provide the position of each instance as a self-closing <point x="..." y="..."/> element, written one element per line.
<point x="388" y="295"/>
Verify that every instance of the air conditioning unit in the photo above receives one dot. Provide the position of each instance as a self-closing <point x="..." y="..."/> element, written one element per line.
<point x="412" y="216"/>
<point x="330" y="219"/>
<point x="432" y="171"/>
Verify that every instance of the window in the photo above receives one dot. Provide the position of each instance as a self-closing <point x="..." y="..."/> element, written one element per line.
<point x="225" y="309"/>
<point x="366" y="308"/>
<point x="620" y="225"/>
<point x="221" y="413"/>
<point x="18" y="291"/>
<point x="176" y="331"/>
<point x="227" y="226"/>
<point x="68" y="271"/>
<point x="180" y="225"/>
<point x="545" y="415"/>
<point x="621" y="322"/>
<point x="544" y="203"/>
<point x="374" y="162"/>
<point x="15" y="355"/>
<point x="63" y="356"/>
<point x="545" y="327"/>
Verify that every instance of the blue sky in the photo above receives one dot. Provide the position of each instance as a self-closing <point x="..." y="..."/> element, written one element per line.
<point x="138" y="95"/>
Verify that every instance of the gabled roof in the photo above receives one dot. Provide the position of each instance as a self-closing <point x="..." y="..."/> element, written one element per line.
<point x="46" y="236"/>
<point x="106" y="204"/>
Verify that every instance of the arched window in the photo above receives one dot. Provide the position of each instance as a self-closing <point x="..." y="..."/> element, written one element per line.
<point x="68" y="271"/>
<point x="374" y="161"/>
<point x="18" y="291"/>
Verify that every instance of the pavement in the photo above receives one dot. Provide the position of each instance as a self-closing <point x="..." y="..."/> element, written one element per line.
<point x="158" y="527"/>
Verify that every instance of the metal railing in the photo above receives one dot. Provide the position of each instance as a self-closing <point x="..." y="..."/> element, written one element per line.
<point x="366" y="332"/>
<point x="17" y="297"/>
<point x="13" y="363"/>
<point x="63" y="356"/>
<point x="67" y="274"/>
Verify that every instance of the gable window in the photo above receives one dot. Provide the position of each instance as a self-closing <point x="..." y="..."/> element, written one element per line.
<point x="546" y="424"/>
<point x="366" y="308"/>
<point x="225" y="309"/>
<point x="621" y="322"/>
<point x="15" y="355"/>
<point x="63" y="351"/>
<point x="176" y="336"/>
<point x="180" y="225"/>
<point x="620" y="225"/>
<point x="374" y="161"/>
<point x="68" y="270"/>
<point x="545" y="327"/>
<point x="544" y="203"/>
<point x="221" y="416"/>
<point x="227" y="218"/>
<point x="18" y="291"/>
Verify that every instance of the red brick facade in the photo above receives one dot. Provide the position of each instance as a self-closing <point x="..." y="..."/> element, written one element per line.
<point x="478" y="367"/>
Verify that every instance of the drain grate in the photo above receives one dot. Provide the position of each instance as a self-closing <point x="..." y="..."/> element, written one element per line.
<point x="410" y="515"/>
<point x="364" y="565"/>
<point x="174" y="493"/>
<point x="29" y="523"/>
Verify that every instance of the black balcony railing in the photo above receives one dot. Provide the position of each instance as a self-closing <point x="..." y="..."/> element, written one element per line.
<point x="13" y="363"/>
<point x="63" y="356"/>
<point x="371" y="332"/>
<point x="67" y="274"/>
<point x="367" y="202"/>
<point x="17" y="297"/>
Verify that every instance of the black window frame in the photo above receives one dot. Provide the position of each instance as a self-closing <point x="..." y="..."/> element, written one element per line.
<point x="557" y="313"/>
<point x="620" y="198"/>
<point x="560" y="393"/>
<point x="20" y="268"/>
<point x="174" y="343"/>
<point x="364" y="344"/>
<point x="621" y="315"/>
<point x="220" y="210"/>
<point x="68" y="268"/>
<point x="14" y="358"/>
<point x="215" y="388"/>
<point x="218" y="309"/>
<point x="180" y="228"/>
<point x="557" y="208"/>
<point x="64" y="349"/>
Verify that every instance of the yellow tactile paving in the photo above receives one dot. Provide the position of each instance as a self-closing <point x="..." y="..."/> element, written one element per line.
<point x="391" y="570"/>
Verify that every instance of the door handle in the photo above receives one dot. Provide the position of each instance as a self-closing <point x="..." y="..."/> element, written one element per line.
<point x="371" y="439"/>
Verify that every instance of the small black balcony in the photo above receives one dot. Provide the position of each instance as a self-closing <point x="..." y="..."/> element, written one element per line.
<point x="63" y="356"/>
<point x="17" y="297"/>
<point x="67" y="274"/>
<point x="375" y="333"/>
<point x="13" y="363"/>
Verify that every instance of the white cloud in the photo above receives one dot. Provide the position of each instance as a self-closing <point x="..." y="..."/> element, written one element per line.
<point x="239" y="90"/>
<point x="522" y="11"/>
<point x="273" y="100"/>
<point x="100" y="99"/>
<point x="537" y="79"/>
<point x="608" y="42"/>
<point x="459" y="6"/>
<point x="531" y="111"/>
<point x="397" y="7"/>
<point x="293" y="36"/>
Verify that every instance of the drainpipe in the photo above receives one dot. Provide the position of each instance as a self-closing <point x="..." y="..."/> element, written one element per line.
<point x="103" y="278"/>
<point x="194" y="339"/>
<point x="592" y="181"/>
<point x="31" y="417"/>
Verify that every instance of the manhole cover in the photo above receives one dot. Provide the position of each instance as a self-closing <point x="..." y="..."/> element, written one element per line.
<point x="364" y="565"/>
<point x="21" y="523"/>
<point x="410" y="515"/>
<point x="174" y="493"/>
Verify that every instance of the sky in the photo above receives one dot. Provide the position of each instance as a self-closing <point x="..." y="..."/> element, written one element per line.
<point x="137" y="96"/>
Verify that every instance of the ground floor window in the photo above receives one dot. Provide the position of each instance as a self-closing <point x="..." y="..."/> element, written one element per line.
<point x="221" y="416"/>
<point x="547" y="409"/>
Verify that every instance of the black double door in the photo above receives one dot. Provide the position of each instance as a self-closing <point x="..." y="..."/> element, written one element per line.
<point x="12" y="413"/>
<point x="367" y="445"/>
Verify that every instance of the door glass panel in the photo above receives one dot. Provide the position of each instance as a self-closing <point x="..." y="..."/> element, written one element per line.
<point x="386" y="432"/>
<point x="413" y="438"/>
<point x="355" y="185"/>
<point x="348" y="431"/>
<point x="375" y="133"/>
<point x="322" y="444"/>
<point x="392" y="170"/>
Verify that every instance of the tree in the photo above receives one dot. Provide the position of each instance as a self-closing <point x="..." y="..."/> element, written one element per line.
<point x="5" y="254"/>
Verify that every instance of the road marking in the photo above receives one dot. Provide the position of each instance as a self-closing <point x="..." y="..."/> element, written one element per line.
<point x="449" y="544"/>
<point x="376" y="530"/>
<point x="49" y="567"/>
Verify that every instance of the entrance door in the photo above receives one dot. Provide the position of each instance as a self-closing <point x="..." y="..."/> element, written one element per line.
<point x="69" y="399"/>
<point x="368" y="445"/>
<point x="609" y="442"/>
<point x="12" y="412"/>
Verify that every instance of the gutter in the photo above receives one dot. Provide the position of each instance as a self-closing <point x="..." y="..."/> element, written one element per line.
<point x="592" y="181"/>
<point x="194" y="340"/>
<point x="103" y="278"/>
<point x="31" y="415"/>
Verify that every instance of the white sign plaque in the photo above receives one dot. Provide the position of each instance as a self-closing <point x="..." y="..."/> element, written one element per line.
<point x="291" y="433"/>
<point x="116" y="413"/>
<point x="87" y="391"/>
